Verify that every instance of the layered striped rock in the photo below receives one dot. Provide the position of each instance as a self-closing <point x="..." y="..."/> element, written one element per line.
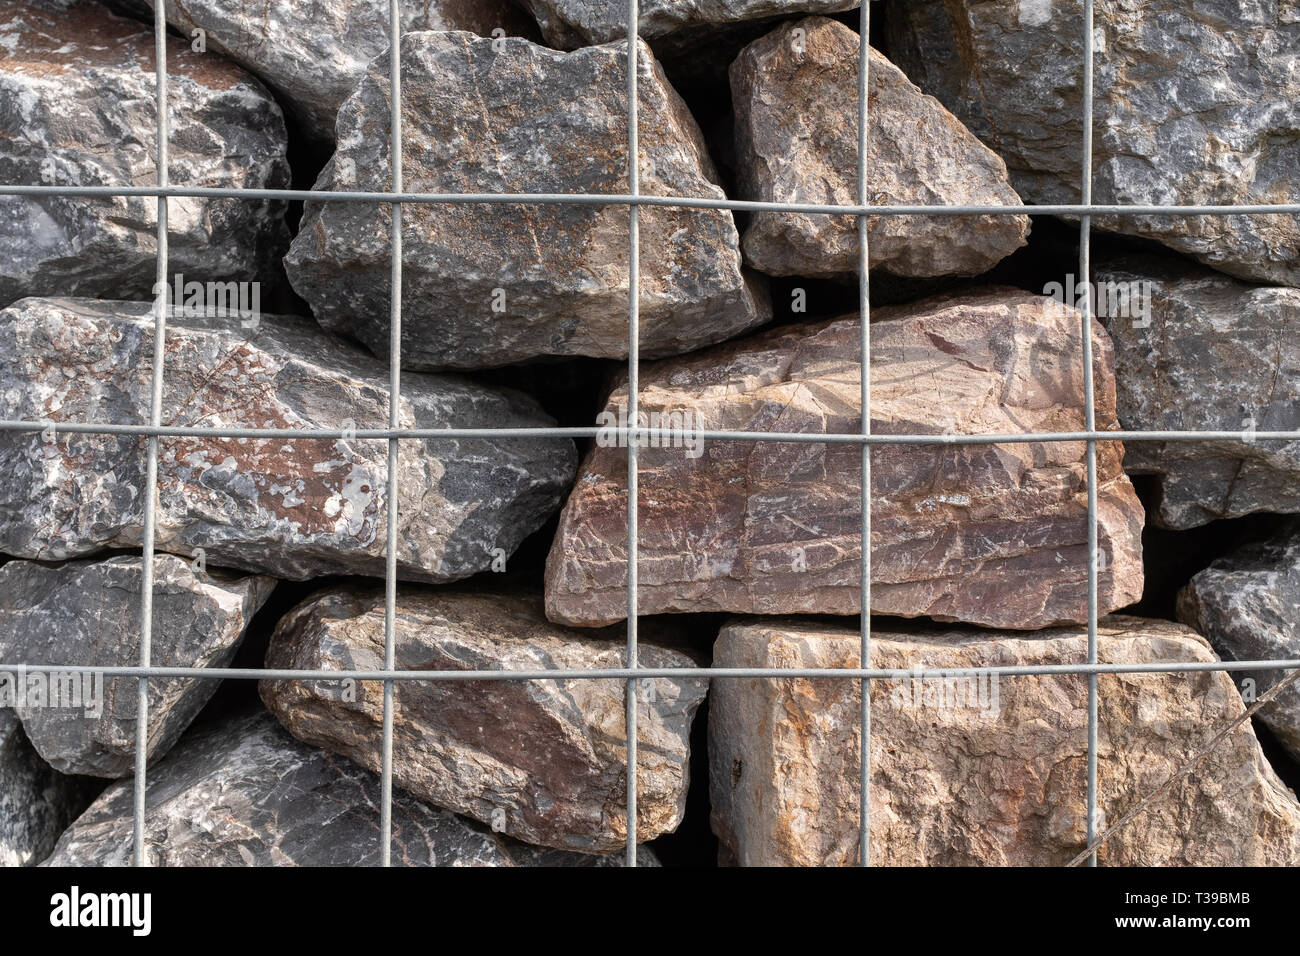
<point x="795" y="93"/>
<point x="36" y="801"/>
<point x="986" y="771"/>
<point x="313" y="53"/>
<point x="77" y="108"/>
<point x="542" y="761"/>
<point x="88" y="613"/>
<point x="1245" y="603"/>
<point x="1206" y="353"/>
<point x="294" y="508"/>
<point x="245" y="793"/>
<point x="990" y="534"/>
<point x="491" y="284"/>
<point x="1194" y="103"/>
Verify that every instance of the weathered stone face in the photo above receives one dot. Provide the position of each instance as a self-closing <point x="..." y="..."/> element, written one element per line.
<point x="77" y="108"/>
<point x="312" y="52"/>
<point x="296" y="509"/>
<point x="1245" y="603"/>
<point x="245" y="793"/>
<point x="88" y="613"/>
<point x="1210" y="354"/>
<point x="993" y="535"/>
<point x="573" y="23"/>
<point x="795" y="96"/>
<point x="543" y="761"/>
<point x="491" y="284"/>
<point x="996" y="776"/>
<point x="1194" y="104"/>
<point x="36" y="802"/>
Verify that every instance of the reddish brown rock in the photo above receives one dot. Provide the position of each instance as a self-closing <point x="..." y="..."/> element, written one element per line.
<point x="988" y="771"/>
<point x="990" y="534"/>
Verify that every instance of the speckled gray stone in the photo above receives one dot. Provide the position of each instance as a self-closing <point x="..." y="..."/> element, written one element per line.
<point x="792" y="91"/>
<point x="1195" y="103"/>
<point x="488" y="285"/>
<point x="1248" y="604"/>
<point x="1214" y="354"/>
<point x="245" y="793"/>
<point x="77" y="109"/>
<point x="88" y="613"/>
<point x="296" y="509"/>
<point x="36" y="802"/>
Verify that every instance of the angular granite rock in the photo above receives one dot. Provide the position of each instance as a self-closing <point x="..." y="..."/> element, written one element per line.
<point x="245" y="793"/>
<point x="1246" y="604"/>
<point x="77" y="109"/>
<point x="985" y="770"/>
<point x="296" y="509"/>
<point x="795" y="92"/>
<point x="491" y="284"/>
<point x="36" y="802"/>
<point x="568" y="24"/>
<point x="543" y="761"/>
<point x="313" y="52"/>
<point x="1195" y="103"/>
<point x="88" y="613"/>
<point x="993" y="535"/>
<point x="1214" y="354"/>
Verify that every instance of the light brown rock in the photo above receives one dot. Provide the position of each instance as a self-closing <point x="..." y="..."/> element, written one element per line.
<point x="795" y="93"/>
<point x="993" y="535"/>
<point x="996" y="777"/>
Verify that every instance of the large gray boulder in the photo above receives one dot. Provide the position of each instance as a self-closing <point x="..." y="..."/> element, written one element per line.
<point x="795" y="93"/>
<point x="1195" y="103"/>
<point x="36" y="801"/>
<point x="77" y="108"/>
<point x="88" y="613"/>
<point x="1207" y="353"/>
<point x="1246" y="604"/>
<point x="245" y="793"/>
<point x="488" y="285"/>
<point x="543" y="761"/>
<point x="296" y="509"/>
<point x="313" y="52"/>
<point x="991" y="534"/>
<point x="985" y="771"/>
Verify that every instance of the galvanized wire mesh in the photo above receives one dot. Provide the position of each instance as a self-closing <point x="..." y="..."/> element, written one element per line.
<point x="631" y="673"/>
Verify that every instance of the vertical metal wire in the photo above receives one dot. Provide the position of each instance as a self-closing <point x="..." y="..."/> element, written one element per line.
<point x="633" y="384"/>
<point x="394" y="397"/>
<point x="161" y="300"/>
<point x="1085" y="279"/>
<point x="864" y="308"/>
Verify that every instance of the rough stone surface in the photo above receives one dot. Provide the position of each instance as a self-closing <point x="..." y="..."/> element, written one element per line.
<point x="978" y="783"/>
<point x="487" y="285"/>
<point x="296" y="509"/>
<point x="313" y="52"/>
<point x="77" y="109"/>
<point x="543" y="761"/>
<point x="88" y="613"/>
<point x="573" y="23"/>
<point x="1217" y="355"/>
<point x="1195" y="103"/>
<point x="794" y="92"/>
<point x="247" y="794"/>
<point x="36" y="802"/>
<point x="993" y="535"/>
<point x="1245" y="603"/>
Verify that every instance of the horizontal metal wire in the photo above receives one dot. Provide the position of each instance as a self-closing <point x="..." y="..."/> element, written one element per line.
<point x="661" y="435"/>
<point x="624" y="673"/>
<point x="625" y="199"/>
